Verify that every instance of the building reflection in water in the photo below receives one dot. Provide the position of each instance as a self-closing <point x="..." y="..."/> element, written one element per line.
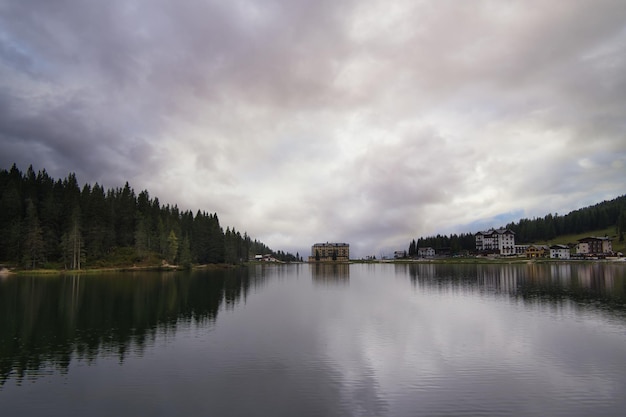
<point x="331" y="274"/>
<point x="602" y="283"/>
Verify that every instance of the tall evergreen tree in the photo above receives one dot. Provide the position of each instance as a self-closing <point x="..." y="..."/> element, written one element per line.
<point x="33" y="238"/>
<point x="73" y="243"/>
<point x="172" y="247"/>
<point x="184" y="256"/>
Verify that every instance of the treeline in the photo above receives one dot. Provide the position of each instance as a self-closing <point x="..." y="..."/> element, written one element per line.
<point x="610" y="213"/>
<point x="56" y="223"/>
<point x="600" y="216"/>
<point x="453" y="243"/>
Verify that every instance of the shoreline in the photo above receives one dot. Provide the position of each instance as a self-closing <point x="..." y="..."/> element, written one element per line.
<point x="504" y="261"/>
<point x="7" y="271"/>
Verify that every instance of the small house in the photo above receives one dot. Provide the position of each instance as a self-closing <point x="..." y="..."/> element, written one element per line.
<point x="559" y="252"/>
<point x="537" y="251"/>
<point x="426" y="252"/>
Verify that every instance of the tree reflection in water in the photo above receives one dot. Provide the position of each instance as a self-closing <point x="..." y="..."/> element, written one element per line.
<point x="47" y="321"/>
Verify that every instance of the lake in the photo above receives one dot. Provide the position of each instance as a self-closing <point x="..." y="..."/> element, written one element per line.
<point x="318" y="340"/>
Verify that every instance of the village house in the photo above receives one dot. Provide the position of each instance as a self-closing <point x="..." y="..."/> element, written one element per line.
<point x="324" y="252"/>
<point x="500" y="241"/>
<point x="426" y="252"/>
<point x="537" y="251"/>
<point x="265" y="258"/>
<point x="559" y="252"/>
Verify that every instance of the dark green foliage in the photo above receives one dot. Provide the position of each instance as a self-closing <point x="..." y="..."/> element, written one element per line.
<point x="33" y="244"/>
<point x="172" y="247"/>
<point x="621" y="224"/>
<point x="184" y="256"/>
<point x="72" y="242"/>
<point x="285" y="256"/>
<point x="452" y="244"/>
<point x="412" y="248"/>
<point x="599" y="216"/>
<point x="44" y="221"/>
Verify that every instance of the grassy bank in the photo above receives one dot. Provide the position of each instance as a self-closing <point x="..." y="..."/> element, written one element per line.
<point x="119" y="268"/>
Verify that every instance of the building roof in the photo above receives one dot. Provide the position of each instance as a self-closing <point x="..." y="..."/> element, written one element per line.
<point x="544" y="247"/>
<point x="559" y="247"/>
<point x="500" y="231"/>
<point x="590" y="238"/>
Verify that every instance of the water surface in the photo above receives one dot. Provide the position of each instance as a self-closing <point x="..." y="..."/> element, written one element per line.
<point x="318" y="340"/>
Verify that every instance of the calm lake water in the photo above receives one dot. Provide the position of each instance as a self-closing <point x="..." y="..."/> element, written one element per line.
<point x="318" y="340"/>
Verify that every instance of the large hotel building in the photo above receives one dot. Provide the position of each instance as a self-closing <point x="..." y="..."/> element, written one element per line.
<point x="323" y="252"/>
<point x="500" y="241"/>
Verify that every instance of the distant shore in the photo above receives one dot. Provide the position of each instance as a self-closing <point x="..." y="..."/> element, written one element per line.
<point x="6" y="271"/>
<point x="487" y="260"/>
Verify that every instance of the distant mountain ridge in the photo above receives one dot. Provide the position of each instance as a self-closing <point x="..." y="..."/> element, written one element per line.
<point x="607" y="214"/>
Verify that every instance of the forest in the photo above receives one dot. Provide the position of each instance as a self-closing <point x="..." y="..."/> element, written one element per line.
<point x="48" y="223"/>
<point x="603" y="215"/>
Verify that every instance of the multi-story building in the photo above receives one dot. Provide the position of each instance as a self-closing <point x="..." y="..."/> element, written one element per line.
<point x="323" y="252"/>
<point x="520" y="250"/>
<point x="594" y="246"/>
<point x="559" y="252"/>
<point x="426" y="252"/>
<point x="500" y="241"/>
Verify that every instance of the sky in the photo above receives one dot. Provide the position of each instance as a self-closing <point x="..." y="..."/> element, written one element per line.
<point x="367" y="122"/>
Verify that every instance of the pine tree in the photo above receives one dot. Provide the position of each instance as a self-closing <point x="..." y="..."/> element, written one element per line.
<point x="172" y="247"/>
<point x="142" y="237"/>
<point x="33" y="238"/>
<point x="621" y="223"/>
<point x="11" y="216"/>
<point x="184" y="256"/>
<point x="73" y="244"/>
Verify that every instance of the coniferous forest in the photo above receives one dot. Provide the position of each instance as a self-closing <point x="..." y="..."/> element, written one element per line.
<point x="603" y="215"/>
<point x="59" y="224"/>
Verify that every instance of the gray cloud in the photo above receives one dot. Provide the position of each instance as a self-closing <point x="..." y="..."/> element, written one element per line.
<point x="299" y="121"/>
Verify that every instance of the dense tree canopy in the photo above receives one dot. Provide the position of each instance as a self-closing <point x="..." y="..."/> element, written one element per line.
<point x="55" y="222"/>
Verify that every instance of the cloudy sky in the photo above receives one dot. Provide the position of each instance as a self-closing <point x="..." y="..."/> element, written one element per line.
<point x="368" y="122"/>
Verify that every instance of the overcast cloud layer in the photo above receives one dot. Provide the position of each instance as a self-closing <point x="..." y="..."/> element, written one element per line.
<point x="368" y="122"/>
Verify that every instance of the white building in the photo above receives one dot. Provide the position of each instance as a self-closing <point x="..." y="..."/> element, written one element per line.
<point x="426" y="252"/>
<point x="559" y="252"/>
<point x="500" y="241"/>
<point x="520" y="250"/>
